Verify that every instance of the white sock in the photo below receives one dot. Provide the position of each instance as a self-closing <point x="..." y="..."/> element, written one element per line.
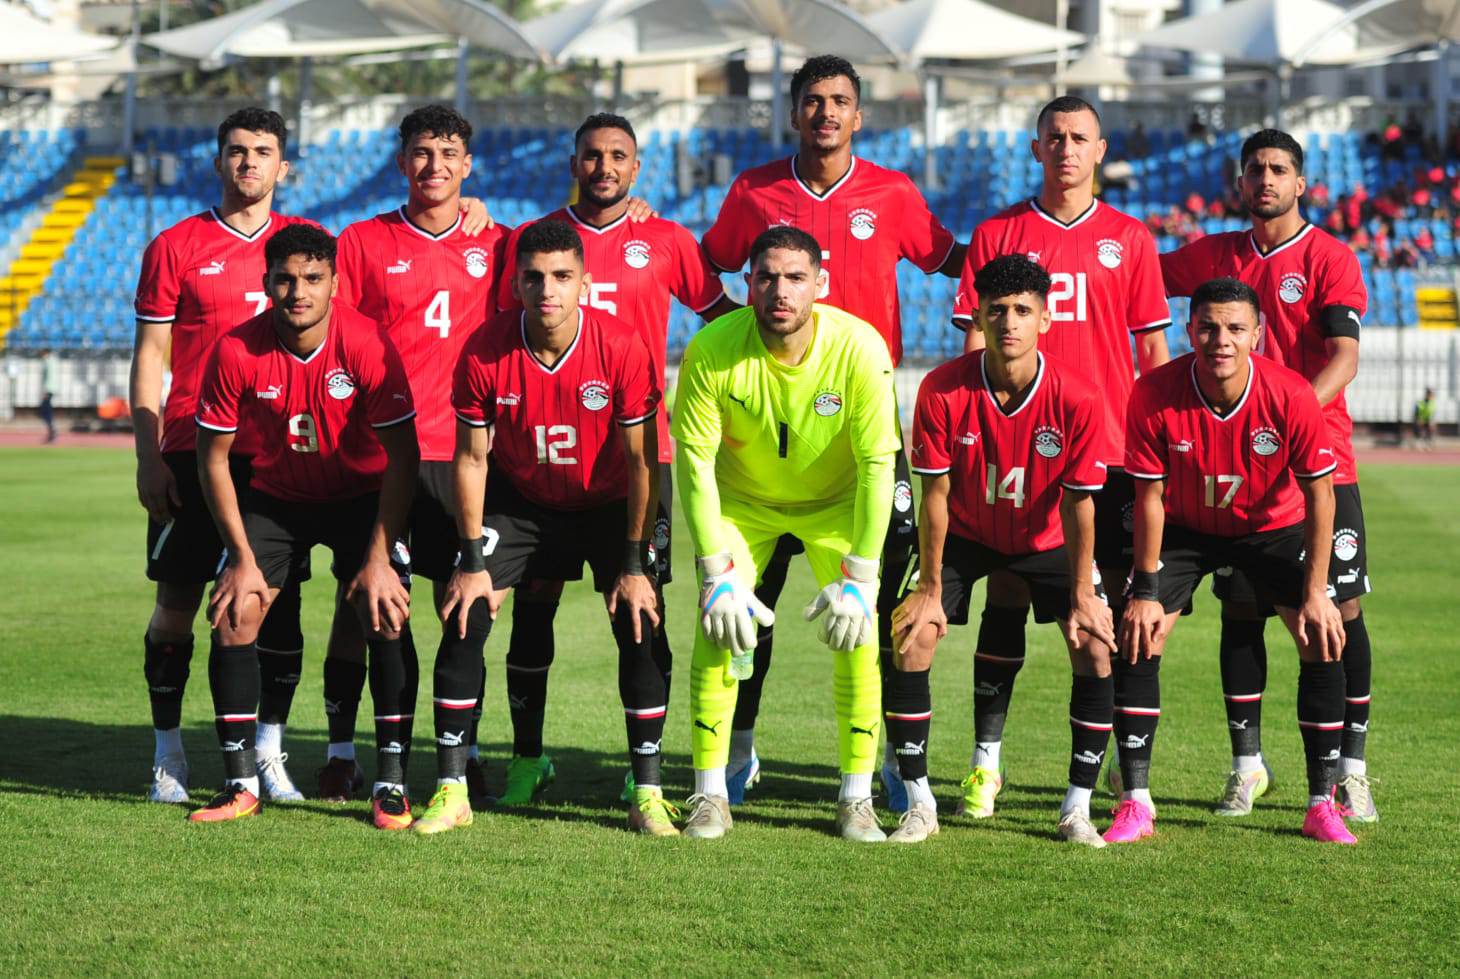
<point x="1076" y="798"/>
<point x="920" y="793"/>
<point x="250" y="784"/>
<point x="269" y="740"/>
<point x="450" y="781"/>
<point x="711" y="781"/>
<point x="1314" y="800"/>
<point x="1346" y="766"/>
<point x="855" y="786"/>
<point x="1242" y="764"/>
<point x="168" y="742"/>
<point x="340" y="749"/>
<point x="986" y="755"/>
<point x="376" y="787"/>
<point x="1143" y="796"/>
<point x="471" y="752"/>
<point x="742" y="746"/>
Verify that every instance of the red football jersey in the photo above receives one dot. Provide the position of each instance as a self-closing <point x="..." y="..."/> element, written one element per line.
<point x="1295" y="283"/>
<point x="1008" y="468"/>
<point x="1228" y="475"/>
<point x="430" y="293"/>
<point x="865" y="222"/>
<point x="635" y="268"/>
<point x="555" y="429"/>
<point x="204" y="277"/>
<point x="314" y="419"/>
<point x="1105" y="284"/>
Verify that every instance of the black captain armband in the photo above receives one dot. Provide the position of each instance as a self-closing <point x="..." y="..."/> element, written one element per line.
<point x="473" y="560"/>
<point x="1144" y="586"/>
<point x="636" y="557"/>
<point x="1341" y="321"/>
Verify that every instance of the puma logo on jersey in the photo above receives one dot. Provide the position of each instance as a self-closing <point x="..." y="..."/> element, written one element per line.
<point x="968" y="438"/>
<point x="740" y="401"/>
<point x="401" y="266"/>
<point x="508" y="399"/>
<point x="212" y="268"/>
<point x="271" y="393"/>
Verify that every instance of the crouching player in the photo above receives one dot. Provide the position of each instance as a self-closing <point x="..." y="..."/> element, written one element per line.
<point x="565" y="398"/>
<point x="1233" y="467"/>
<point x="326" y="395"/>
<point x="786" y="422"/>
<point x="1008" y="444"/>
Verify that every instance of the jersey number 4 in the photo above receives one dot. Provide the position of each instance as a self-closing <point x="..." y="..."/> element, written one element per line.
<point x="1010" y="487"/>
<point x="554" y="443"/>
<point x="438" y="314"/>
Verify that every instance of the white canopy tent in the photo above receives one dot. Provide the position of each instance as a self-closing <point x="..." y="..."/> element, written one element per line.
<point x="25" y="38"/>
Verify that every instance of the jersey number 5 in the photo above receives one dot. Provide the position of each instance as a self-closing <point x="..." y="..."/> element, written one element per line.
<point x="303" y="435"/>
<point x="1011" y="487"/>
<point x="555" y="452"/>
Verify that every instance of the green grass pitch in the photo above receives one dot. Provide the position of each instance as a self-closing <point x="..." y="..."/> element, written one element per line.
<point x="95" y="880"/>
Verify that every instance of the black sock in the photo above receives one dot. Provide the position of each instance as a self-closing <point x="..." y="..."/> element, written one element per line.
<point x="1320" y="719"/>
<point x="663" y="658"/>
<point x="166" y="665"/>
<point x="344" y="681"/>
<point x="747" y="695"/>
<point x="529" y="658"/>
<point x="1092" y="707"/>
<point x="1243" y="657"/>
<point x="233" y="676"/>
<point x="908" y="710"/>
<point x="281" y="656"/>
<point x="642" y="688"/>
<point x="394" y="674"/>
<point x="476" y="712"/>
<point x="997" y="660"/>
<point x="457" y="686"/>
<point x="1358" y="661"/>
<point x="1137" y="712"/>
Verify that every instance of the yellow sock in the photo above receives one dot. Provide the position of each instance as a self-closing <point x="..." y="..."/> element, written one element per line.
<point x="858" y="685"/>
<point x="712" y="692"/>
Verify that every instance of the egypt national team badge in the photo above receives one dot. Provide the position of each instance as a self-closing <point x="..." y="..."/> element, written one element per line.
<point x="594" y="395"/>
<point x="1108" y="252"/>
<point x="1345" y="544"/>
<point x="478" y="262"/>
<point x="1265" y="441"/>
<point x="636" y="254"/>
<point x="827" y="403"/>
<point x="1048" y="441"/>
<point x="1292" y="287"/>
<point x="863" y="223"/>
<point x="339" y="384"/>
<point x="902" y="496"/>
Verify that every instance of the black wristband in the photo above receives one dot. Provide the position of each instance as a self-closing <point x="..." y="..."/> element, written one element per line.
<point x="472" y="559"/>
<point x="636" y="557"/>
<point x="1144" y="586"/>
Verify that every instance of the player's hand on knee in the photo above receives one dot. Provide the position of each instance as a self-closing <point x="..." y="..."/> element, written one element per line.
<point x="729" y="610"/>
<point x="377" y="589"/>
<point x="1320" y="627"/>
<point x="157" y="489"/>
<point x="462" y="592"/>
<point x="236" y="587"/>
<point x="635" y="592"/>
<point x="1142" y="629"/>
<point x="847" y="605"/>
<point x="922" y="608"/>
<point x="1089" y="613"/>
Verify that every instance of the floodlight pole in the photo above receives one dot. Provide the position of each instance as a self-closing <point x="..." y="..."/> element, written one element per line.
<point x="129" y="99"/>
<point x="932" y="86"/>
<point x="778" y="81"/>
<point x="463" y="49"/>
<point x="1440" y="92"/>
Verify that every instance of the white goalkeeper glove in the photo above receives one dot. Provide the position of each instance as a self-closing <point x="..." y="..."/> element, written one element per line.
<point x="847" y="604"/>
<point x="729" y="610"/>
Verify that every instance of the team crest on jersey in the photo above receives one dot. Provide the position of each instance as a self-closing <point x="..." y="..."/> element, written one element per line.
<point x="594" y="395"/>
<point x="478" y="262"/>
<point x="339" y="383"/>
<point x="1108" y="252"/>
<point x="1265" y="441"/>
<point x="902" y="496"/>
<point x="1292" y="287"/>
<point x="1048" y="441"/>
<point x="400" y="554"/>
<point x="864" y="223"/>
<point x="636" y="254"/>
<point x="1346" y="544"/>
<point x="827" y="403"/>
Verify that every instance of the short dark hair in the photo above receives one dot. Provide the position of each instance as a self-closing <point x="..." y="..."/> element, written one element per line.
<point x="819" y="69"/>
<point x="545" y="237"/>
<point x="1224" y="290"/>
<point x="785" y="236"/>
<point x="255" y="120"/>
<point x="1011" y="275"/>
<point x="309" y="240"/>
<point x="1065" y="104"/>
<point x="440" y="121"/>
<point x="1272" y="139"/>
<point x="604" y="120"/>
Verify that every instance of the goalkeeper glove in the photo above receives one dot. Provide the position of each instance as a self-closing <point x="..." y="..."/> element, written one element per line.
<point x="847" y="605"/>
<point x="729" y="610"/>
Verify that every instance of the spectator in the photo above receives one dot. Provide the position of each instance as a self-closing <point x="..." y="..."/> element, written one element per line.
<point x="50" y="384"/>
<point x="1424" y="419"/>
<point x="1195" y="128"/>
<point x="1137" y="145"/>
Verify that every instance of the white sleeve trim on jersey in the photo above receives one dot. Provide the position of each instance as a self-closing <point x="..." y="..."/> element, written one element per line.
<point x="1082" y="488"/>
<point x="1322" y="472"/>
<point x="214" y="428"/>
<point x="1138" y="475"/>
<point x="396" y="421"/>
<point x="711" y="304"/>
<point x="155" y="319"/>
<point x="931" y="472"/>
<point x="944" y="260"/>
<point x="1153" y="325"/>
<point x="631" y="422"/>
<point x="472" y="421"/>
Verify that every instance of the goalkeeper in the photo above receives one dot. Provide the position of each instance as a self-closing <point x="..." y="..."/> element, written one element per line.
<point x="786" y="423"/>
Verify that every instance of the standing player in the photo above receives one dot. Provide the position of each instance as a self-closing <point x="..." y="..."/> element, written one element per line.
<point x="866" y="219"/>
<point x="199" y="279"/>
<point x="1008" y="444"/>
<point x="1105" y="290"/>
<point x="1234" y="468"/>
<point x="786" y="423"/>
<point x="324" y="393"/>
<point x="1313" y="300"/>
<point x="634" y="268"/>
<point x="561" y="395"/>
<point x="417" y="273"/>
